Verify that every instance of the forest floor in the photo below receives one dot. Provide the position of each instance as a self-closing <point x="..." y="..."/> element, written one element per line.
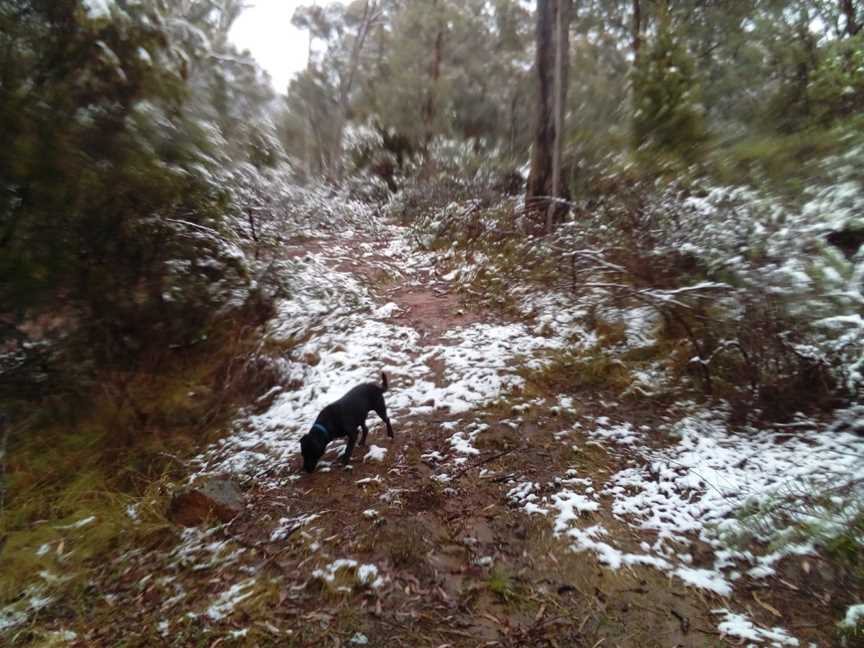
<point x="502" y="513"/>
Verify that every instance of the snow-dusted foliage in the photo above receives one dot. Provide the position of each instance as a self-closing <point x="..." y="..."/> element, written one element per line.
<point x="752" y="298"/>
<point x="780" y="256"/>
<point x="764" y="302"/>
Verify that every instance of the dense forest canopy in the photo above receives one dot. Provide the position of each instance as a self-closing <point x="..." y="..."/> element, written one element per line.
<point x="665" y="77"/>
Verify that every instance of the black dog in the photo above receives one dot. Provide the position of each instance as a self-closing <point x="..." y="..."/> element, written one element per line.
<point x="342" y="418"/>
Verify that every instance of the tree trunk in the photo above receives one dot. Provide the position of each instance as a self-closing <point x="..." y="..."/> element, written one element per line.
<point x="540" y="176"/>
<point x="562" y="55"/>
<point x="514" y="104"/>
<point x="637" y="46"/>
<point x="852" y="24"/>
<point x="429" y="107"/>
<point x="346" y="84"/>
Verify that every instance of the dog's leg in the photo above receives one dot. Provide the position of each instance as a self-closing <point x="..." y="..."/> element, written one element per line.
<point x="352" y="440"/>
<point x="381" y="410"/>
<point x="365" y="431"/>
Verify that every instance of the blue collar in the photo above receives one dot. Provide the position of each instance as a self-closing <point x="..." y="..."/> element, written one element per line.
<point x="323" y="429"/>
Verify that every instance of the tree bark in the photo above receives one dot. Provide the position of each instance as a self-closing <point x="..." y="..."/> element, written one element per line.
<point x="637" y="30"/>
<point x="346" y="84"/>
<point x="539" y="185"/>
<point x="429" y="107"/>
<point x="514" y="104"/>
<point x="562" y="55"/>
<point x="852" y="24"/>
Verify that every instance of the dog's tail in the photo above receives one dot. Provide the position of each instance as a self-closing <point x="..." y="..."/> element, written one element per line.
<point x="383" y="381"/>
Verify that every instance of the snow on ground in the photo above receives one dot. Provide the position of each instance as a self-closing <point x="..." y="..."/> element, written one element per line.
<point x="363" y="574"/>
<point x="225" y="603"/>
<point x="687" y="480"/>
<point x="17" y="613"/>
<point x="463" y="435"/>
<point x="345" y="336"/>
<point x="98" y="8"/>
<point x="701" y="483"/>
<point x="738" y="626"/>
<point x="698" y="486"/>
<point x="854" y="616"/>
<point x="375" y="453"/>
<point x="287" y="526"/>
<point x="555" y="314"/>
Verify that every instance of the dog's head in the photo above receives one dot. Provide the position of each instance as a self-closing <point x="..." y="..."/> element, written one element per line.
<point x="312" y="448"/>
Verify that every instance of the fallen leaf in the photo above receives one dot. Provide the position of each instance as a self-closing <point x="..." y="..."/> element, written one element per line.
<point x="768" y="607"/>
<point x="540" y="613"/>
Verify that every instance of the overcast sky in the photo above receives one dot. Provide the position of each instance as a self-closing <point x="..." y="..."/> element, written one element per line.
<point x="265" y="30"/>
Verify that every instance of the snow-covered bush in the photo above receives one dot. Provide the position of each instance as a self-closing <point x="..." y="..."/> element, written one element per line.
<point x="759" y="306"/>
<point x="778" y="258"/>
<point x="453" y="182"/>
<point x="127" y="173"/>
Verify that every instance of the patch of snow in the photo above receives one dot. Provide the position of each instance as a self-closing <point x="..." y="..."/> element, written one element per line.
<point x="699" y="485"/>
<point x="230" y="598"/>
<point x="854" y="616"/>
<point x="329" y="572"/>
<point x="620" y="433"/>
<point x="586" y="540"/>
<point x="740" y="627"/>
<point x="368" y="575"/>
<point x="462" y="444"/>
<point x="98" y="8"/>
<point x="287" y="525"/>
<point x="21" y="611"/>
<point x="144" y="56"/>
<point x="524" y="495"/>
<point x="62" y="635"/>
<point x="704" y="579"/>
<point x="365" y="574"/>
<point x="375" y="453"/>
<point x="570" y="507"/>
<point x="386" y="311"/>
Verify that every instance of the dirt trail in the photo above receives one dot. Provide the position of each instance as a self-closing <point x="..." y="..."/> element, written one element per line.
<point x="420" y="543"/>
<point x="461" y="567"/>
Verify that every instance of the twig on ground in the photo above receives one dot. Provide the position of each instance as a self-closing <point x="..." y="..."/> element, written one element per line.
<point x="275" y="555"/>
<point x="484" y="461"/>
<point x="4" y="441"/>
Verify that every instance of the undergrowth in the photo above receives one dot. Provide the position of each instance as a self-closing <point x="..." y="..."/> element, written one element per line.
<point x="719" y="335"/>
<point x="502" y="585"/>
<point x="86" y="479"/>
<point x="809" y="512"/>
<point x="592" y="369"/>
